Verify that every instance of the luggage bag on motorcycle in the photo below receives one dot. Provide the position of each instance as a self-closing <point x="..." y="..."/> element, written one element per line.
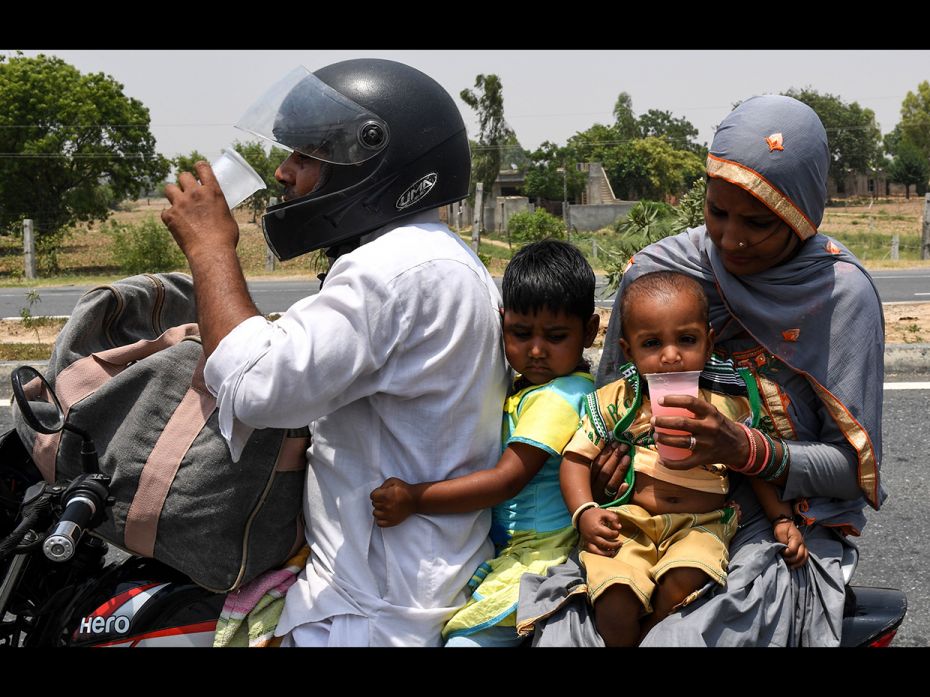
<point x="127" y="368"/>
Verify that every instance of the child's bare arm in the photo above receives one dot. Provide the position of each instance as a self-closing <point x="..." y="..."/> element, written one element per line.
<point x="782" y="517"/>
<point x="599" y="528"/>
<point x="395" y="500"/>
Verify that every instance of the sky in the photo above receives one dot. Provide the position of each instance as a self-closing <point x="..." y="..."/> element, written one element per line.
<point x="195" y="97"/>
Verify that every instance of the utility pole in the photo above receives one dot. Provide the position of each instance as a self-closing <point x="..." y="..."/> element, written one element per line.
<point x="476" y="224"/>
<point x="925" y="238"/>
<point x="29" y="249"/>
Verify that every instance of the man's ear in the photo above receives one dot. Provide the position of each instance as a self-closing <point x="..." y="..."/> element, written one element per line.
<point x="590" y="329"/>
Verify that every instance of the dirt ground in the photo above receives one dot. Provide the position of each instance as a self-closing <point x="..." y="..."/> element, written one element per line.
<point x="41" y="332"/>
<point x="904" y="324"/>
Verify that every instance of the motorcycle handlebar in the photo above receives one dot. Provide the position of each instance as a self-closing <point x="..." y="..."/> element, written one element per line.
<point x="61" y="544"/>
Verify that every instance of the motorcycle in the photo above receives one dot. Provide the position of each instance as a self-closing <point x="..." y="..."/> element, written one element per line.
<point x="60" y="589"/>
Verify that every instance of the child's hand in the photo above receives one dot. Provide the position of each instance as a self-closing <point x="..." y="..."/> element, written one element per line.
<point x="600" y="531"/>
<point x="787" y="533"/>
<point x="394" y="502"/>
<point x="737" y="509"/>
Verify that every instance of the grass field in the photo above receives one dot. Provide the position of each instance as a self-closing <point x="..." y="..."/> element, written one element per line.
<point x="86" y="257"/>
<point x="86" y="254"/>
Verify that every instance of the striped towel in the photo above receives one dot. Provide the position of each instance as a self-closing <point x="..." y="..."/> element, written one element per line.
<point x="250" y="615"/>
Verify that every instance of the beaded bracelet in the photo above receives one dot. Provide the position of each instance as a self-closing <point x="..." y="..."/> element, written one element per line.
<point x="581" y="509"/>
<point x="781" y="465"/>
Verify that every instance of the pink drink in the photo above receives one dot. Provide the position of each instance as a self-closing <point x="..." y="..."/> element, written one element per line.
<point x="661" y="384"/>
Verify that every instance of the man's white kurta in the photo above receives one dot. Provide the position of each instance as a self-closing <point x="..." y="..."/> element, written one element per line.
<point x="398" y="366"/>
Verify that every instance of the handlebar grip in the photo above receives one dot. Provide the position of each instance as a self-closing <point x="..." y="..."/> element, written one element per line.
<point x="61" y="544"/>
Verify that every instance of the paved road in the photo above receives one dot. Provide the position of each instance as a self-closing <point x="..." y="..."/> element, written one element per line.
<point x="893" y="544"/>
<point x="277" y="296"/>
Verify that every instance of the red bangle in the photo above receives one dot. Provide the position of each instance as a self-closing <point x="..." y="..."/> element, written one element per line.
<point x="753" y="451"/>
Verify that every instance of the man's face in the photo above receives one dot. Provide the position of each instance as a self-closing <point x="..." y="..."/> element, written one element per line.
<point x="299" y="174"/>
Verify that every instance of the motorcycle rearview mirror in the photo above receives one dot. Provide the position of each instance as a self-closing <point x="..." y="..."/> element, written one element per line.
<point x="42" y="416"/>
<point x="48" y="417"/>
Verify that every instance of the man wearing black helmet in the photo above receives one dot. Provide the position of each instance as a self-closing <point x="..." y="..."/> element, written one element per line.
<point x="396" y="364"/>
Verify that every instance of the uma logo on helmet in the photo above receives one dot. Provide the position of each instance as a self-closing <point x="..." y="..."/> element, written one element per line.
<point x="416" y="191"/>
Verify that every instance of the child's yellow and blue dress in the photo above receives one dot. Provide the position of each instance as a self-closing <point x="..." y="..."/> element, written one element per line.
<point x="533" y="530"/>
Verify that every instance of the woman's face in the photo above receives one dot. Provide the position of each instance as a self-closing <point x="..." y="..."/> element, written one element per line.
<point x="748" y="235"/>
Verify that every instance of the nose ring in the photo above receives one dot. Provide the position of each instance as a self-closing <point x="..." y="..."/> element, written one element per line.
<point x="740" y="244"/>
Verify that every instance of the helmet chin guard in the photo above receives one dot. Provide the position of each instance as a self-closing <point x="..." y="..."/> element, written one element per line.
<point x="394" y="138"/>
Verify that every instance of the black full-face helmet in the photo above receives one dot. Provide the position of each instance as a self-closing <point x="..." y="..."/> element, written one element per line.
<point x="393" y="138"/>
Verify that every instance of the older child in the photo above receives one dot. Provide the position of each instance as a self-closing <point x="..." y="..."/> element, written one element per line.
<point x="548" y="319"/>
<point x="654" y="554"/>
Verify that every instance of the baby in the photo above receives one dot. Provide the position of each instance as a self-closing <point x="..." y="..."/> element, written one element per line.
<point x="649" y="556"/>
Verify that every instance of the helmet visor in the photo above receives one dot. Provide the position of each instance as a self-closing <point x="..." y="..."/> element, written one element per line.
<point x="300" y="112"/>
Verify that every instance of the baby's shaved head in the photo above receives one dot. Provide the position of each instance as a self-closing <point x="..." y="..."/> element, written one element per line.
<point x="661" y="285"/>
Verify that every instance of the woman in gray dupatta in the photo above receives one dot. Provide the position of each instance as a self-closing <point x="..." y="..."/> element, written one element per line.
<point x="792" y="305"/>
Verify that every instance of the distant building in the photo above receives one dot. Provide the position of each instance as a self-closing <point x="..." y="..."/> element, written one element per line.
<point x="598" y="207"/>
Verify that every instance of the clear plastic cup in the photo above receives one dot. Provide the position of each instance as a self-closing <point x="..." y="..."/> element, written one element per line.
<point x="661" y="384"/>
<point x="236" y="177"/>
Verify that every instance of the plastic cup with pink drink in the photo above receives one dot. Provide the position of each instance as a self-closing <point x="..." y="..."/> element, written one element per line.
<point x="662" y="384"/>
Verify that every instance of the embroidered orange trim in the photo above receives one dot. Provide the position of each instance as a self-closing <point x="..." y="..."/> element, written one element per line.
<point x="774" y="142"/>
<point x="791" y="334"/>
<point x="857" y="436"/>
<point x="765" y="191"/>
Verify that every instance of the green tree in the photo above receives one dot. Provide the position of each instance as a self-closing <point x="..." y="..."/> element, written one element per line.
<point x="602" y="144"/>
<point x="910" y="167"/>
<point x="543" y="178"/>
<point x="853" y="136"/>
<point x="626" y="125"/>
<point x="915" y="117"/>
<point x="526" y="227"/>
<point x="651" y="156"/>
<point x="72" y="145"/>
<point x="487" y="99"/>
<point x="679" y="132"/>
<point x="652" y="168"/>
<point x="185" y="163"/>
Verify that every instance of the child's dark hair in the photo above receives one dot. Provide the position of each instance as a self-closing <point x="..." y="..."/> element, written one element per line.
<point x="661" y="285"/>
<point x="549" y="274"/>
